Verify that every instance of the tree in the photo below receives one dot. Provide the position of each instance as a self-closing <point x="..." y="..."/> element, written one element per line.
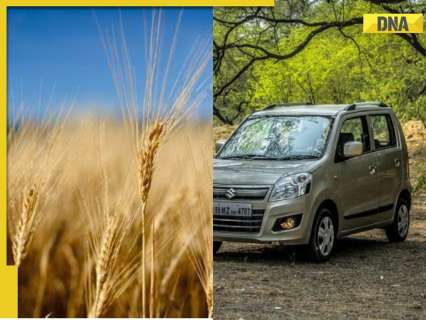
<point x="251" y="39"/>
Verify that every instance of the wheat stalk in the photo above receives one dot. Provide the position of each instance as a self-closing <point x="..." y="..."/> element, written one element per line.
<point x="147" y="155"/>
<point x="112" y="278"/>
<point x="25" y="225"/>
<point x="105" y="258"/>
<point x="200" y="252"/>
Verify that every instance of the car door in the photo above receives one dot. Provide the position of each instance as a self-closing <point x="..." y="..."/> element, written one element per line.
<point x="389" y="161"/>
<point x="357" y="180"/>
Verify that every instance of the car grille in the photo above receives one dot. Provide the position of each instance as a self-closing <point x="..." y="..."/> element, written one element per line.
<point x="239" y="224"/>
<point x="220" y="193"/>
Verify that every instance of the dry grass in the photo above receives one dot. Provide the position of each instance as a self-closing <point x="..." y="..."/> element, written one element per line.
<point x="85" y="255"/>
<point x="223" y="132"/>
<point x="415" y="133"/>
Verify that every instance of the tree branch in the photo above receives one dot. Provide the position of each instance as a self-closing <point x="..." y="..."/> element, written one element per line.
<point x="266" y="54"/>
<point x="257" y="25"/>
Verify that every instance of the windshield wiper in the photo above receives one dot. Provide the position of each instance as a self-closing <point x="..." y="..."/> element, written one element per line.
<point x="300" y="157"/>
<point x="242" y="156"/>
<point x="266" y="158"/>
<point x="260" y="157"/>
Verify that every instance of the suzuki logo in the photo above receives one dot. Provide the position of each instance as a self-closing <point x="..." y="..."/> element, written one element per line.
<point x="230" y="193"/>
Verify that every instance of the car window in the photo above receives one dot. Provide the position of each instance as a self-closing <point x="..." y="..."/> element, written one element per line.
<point x="354" y="129"/>
<point x="383" y="132"/>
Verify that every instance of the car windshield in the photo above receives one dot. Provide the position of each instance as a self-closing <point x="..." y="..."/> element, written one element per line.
<point x="279" y="138"/>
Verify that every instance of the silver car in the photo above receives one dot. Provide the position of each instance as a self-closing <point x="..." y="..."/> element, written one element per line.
<point x="301" y="174"/>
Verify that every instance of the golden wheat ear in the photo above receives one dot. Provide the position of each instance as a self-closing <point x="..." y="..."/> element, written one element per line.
<point x="26" y="224"/>
<point x="147" y="154"/>
<point x="112" y="276"/>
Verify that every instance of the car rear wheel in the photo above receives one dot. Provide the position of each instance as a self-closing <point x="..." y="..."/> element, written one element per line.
<point x="216" y="246"/>
<point x="323" y="237"/>
<point x="398" y="230"/>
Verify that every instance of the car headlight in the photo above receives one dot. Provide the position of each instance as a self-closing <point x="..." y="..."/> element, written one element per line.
<point x="290" y="187"/>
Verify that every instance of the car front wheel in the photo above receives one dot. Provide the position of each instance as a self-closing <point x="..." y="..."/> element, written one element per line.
<point x="323" y="236"/>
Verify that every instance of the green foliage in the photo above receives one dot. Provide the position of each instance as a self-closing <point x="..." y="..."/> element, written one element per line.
<point x="338" y="66"/>
<point x="334" y="70"/>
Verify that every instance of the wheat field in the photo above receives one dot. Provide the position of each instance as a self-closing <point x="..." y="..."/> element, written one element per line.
<point x="110" y="215"/>
<point x="76" y="211"/>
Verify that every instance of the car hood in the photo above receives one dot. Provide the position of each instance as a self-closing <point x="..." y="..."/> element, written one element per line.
<point x="257" y="172"/>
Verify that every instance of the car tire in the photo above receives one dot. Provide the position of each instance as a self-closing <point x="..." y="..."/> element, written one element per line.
<point x="323" y="237"/>
<point x="216" y="246"/>
<point x="398" y="230"/>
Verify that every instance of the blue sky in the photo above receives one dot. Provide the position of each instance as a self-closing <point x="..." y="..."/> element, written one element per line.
<point x="56" y="54"/>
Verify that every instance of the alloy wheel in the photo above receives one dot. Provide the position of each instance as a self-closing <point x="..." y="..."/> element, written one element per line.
<point x="403" y="220"/>
<point x="325" y="235"/>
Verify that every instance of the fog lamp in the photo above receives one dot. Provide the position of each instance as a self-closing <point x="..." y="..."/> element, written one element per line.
<point x="287" y="223"/>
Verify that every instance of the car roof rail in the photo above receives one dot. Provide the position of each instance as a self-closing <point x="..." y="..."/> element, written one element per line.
<point x="290" y="104"/>
<point x="354" y="105"/>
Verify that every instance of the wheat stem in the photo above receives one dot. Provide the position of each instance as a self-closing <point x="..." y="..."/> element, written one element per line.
<point x="147" y="155"/>
<point x="105" y="259"/>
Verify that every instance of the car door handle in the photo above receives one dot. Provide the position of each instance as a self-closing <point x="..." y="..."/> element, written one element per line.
<point x="397" y="163"/>
<point x="372" y="168"/>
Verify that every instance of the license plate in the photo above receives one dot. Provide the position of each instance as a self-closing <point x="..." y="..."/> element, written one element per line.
<point x="232" y="209"/>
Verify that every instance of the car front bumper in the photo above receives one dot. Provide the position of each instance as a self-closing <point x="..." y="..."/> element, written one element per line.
<point x="272" y="212"/>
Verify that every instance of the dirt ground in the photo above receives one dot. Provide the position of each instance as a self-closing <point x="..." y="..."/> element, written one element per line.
<point x="367" y="278"/>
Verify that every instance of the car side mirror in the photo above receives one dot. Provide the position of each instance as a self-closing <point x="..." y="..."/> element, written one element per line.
<point x="219" y="145"/>
<point x="352" y="149"/>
